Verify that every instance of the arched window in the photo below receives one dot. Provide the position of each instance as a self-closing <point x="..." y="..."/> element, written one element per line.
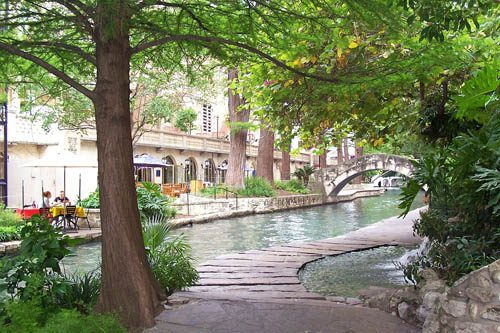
<point x="209" y="171"/>
<point x="222" y="170"/>
<point x="169" y="171"/>
<point x="189" y="169"/>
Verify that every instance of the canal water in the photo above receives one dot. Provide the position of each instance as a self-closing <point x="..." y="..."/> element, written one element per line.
<point x="259" y="231"/>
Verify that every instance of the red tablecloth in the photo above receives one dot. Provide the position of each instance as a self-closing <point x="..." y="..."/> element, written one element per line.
<point x="26" y="213"/>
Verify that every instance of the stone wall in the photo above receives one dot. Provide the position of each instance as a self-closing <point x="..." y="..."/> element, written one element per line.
<point x="471" y="305"/>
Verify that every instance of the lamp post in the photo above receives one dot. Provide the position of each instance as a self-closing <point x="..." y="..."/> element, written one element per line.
<point x="217" y="126"/>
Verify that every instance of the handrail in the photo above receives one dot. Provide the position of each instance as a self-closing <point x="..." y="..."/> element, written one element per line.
<point x="227" y="193"/>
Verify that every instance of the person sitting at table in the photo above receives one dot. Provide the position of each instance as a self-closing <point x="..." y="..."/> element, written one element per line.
<point x="46" y="199"/>
<point x="62" y="199"/>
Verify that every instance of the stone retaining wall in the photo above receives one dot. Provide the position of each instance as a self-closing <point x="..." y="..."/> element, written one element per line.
<point x="471" y="305"/>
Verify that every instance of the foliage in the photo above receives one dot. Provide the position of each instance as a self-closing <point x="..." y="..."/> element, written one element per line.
<point x="169" y="256"/>
<point x="437" y="17"/>
<point x="9" y="233"/>
<point x="152" y="202"/>
<point x="35" y="272"/>
<point x="92" y="201"/>
<point x="304" y="173"/>
<point x="31" y="317"/>
<point x="256" y="187"/>
<point x="80" y="292"/>
<point x="8" y="218"/>
<point x="211" y="190"/>
<point x="463" y="221"/>
<point x="478" y="96"/>
<point x="185" y="119"/>
<point x="293" y="185"/>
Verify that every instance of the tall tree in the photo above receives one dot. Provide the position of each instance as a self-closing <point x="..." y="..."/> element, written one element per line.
<point x="285" y="171"/>
<point x="265" y="156"/>
<point x="238" y="116"/>
<point x="90" y="46"/>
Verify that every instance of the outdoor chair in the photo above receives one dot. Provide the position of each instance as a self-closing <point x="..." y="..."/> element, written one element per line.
<point x="85" y="217"/>
<point x="70" y="218"/>
<point x="45" y="213"/>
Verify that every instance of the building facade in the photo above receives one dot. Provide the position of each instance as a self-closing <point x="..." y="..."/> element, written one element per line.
<point x="202" y="155"/>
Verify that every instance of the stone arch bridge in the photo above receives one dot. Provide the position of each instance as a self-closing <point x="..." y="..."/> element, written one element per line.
<point x="334" y="178"/>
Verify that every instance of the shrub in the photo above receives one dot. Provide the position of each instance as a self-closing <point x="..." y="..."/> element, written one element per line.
<point x="152" y="202"/>
<point x="257" y="187"/>
<point x="32" y="317"/>
<point x="463" y="221"/>
<point x="8" y="218"/>
<point x="169" y="257"/>
<point x="92" y="201"/>
<point x="9" y="233"/>
<point x="35" y="272"/>
<point x="209" y="191"/>
<point x="294" y="185"/>
<point x="80" y="291"/>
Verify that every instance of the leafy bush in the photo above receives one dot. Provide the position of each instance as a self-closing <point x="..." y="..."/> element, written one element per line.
<point x="294" y="185"/>
<point x="257" y="187"/>
<point x="92" y="201"/>
<point x="209" y="191"/>
<point x="169" y="257"/>
<point x="304" y="173"/>
<point x="31" y="317"/>
<point x="80" y="291"/>
<point x="463" y="222"/>
<point x="9" y="233"/>
<point x="152" y="202"/>
<point x="8" y="218"/>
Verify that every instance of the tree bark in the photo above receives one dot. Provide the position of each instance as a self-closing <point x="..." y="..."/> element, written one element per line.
<point x="322" y="160"/>
<point x="346" y="150"/>
<point x="285" y="164"/>
<point x="265" y="155"/>
<point x="128" y="287"/>
<point x="358" y="153"/>
<point x="340" y="153"/>
<point x="235" y="176"/>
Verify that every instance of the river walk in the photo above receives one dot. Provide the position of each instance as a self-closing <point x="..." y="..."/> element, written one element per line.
<point x="259" y="290"/>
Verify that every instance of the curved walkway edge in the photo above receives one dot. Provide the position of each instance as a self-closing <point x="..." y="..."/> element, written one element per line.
<point x="237" y="288"/>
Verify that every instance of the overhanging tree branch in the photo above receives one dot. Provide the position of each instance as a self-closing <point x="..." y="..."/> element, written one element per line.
<point x="219" y="40"/>
<point x="48" y="67"/>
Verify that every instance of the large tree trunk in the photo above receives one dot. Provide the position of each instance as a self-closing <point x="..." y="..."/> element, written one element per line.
<point x="346" y="150"/>
<point x="340" y="154"/>
<point x="322" y="160"/>
<point x="265" y="155"/>
<point x="285" y="163"/>
<point x="238" y="137"/>
<point x="358" y="153"/>
<point x="128" y="287"/>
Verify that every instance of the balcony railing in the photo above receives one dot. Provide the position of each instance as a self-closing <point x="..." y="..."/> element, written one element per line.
<point x="183" y="141"/>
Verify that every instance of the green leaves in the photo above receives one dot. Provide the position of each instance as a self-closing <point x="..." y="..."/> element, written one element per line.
<point x="479" y="96"/>
<point x="185" y="119"/>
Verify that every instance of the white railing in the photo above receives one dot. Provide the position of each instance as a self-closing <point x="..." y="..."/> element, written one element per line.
<point x="183" y="141"/>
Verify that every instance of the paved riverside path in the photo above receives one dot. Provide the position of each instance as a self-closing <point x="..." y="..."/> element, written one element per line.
<point x="259" y="290"/>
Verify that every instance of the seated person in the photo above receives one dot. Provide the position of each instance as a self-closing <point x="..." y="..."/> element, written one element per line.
<point x="46" y="199"/>
<point x="62" y="199"/>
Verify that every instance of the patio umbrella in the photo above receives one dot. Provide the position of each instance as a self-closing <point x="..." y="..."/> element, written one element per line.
<point x="148" y="161"/>
<point x="62" y="161"/>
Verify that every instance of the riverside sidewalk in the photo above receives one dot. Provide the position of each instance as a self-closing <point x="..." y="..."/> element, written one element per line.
<point x="259" y="290"/>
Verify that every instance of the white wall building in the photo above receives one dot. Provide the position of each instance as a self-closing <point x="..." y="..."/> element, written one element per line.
<point x="203" y="150"/>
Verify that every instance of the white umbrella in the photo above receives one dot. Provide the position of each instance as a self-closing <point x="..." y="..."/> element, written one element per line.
<point x="62" y="161"/>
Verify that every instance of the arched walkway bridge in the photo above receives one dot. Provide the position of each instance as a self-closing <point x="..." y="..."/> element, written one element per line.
<point x="334" y="178"/>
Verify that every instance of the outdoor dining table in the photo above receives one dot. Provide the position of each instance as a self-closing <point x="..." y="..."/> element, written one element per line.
<point x="61" y="210"/>
<point x="28" y="212"/>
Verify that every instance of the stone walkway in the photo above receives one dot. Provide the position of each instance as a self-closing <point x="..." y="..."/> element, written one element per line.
<point x="259" y="290"/>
